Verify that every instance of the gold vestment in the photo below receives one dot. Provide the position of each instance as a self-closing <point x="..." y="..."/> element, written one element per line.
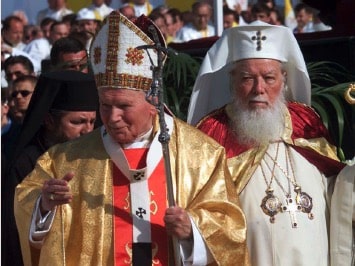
<point x="82" y="231"/>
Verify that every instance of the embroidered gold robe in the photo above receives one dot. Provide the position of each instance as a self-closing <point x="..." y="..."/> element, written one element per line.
<point x="82" y="231"/>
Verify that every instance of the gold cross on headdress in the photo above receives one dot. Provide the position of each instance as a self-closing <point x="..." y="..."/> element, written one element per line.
<point x="258" y="38"/>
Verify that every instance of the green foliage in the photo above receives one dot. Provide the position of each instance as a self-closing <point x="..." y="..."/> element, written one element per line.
<point x="179" y="76"/>
<point x="329" y="83"/>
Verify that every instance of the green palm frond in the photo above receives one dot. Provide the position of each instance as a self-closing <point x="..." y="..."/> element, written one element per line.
<point x="326" y="74"/>
<point x="180" y="72"/>
<point x="329" y="81"/>
<point x="322" y="111"/>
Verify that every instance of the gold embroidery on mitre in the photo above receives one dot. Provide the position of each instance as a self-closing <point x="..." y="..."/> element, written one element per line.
<point x="134" y="56"/>
<point x="136" y="30"/>
<point x="97" y="55"/>
<point x="112" y="47"/>
<point x="124" y="81"/>
<point x="113" y="76"/>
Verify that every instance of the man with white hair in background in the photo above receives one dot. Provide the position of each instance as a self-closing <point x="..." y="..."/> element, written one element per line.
<point x="201" y="23"/>
<point x="252" y="94"/>
<point x="56" y="9"/>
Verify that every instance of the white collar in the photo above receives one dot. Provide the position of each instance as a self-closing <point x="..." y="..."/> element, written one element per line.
<point x="142" y="141"/>
<point x="153" y="157"/>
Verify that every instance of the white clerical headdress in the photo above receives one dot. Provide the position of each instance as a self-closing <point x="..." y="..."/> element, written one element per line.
<point x="115" y="59"/>
<point x="88" y="14"/>
<point x="256" y="40"/>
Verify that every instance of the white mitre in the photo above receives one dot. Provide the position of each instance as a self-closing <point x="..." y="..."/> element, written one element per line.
<point x="116" y="60"/>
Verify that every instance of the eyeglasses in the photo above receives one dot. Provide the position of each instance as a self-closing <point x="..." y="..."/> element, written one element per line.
<point x="23" y="93"/>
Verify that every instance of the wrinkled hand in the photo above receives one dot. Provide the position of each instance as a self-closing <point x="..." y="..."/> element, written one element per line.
<point x="177" y="223"/>
<point x="56" y="192"/>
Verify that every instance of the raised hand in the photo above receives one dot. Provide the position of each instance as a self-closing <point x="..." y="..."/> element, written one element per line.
<point x="56" y="192"/>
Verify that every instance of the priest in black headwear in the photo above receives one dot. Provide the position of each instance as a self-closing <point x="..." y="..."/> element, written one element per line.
<point x="63" y="107"/>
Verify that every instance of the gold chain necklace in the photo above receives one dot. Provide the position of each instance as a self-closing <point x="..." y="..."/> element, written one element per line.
<point x="271" y="204"/>
<point x="302" y="198"/>
<point x="290" y="205"/>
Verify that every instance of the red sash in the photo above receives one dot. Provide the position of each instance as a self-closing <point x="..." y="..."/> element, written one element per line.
<point x="122" y="214"/>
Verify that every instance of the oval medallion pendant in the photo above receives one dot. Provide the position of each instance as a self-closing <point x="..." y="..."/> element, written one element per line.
<point x="306" y="204"/>
<point x="270" y="205"/>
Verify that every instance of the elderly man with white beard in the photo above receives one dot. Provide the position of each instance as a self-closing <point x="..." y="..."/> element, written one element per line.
<point x="251" y="95"/>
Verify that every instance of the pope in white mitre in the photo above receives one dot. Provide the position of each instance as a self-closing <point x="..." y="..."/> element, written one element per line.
<point x="103" y="199"/>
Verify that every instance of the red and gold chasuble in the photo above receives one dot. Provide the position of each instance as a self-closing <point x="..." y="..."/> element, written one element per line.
<point x="123" y="222"/>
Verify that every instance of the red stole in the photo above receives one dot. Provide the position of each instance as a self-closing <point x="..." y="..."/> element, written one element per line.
<point x="122" y="214"/>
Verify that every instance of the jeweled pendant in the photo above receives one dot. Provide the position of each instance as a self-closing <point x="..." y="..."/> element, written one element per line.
<point x="270" y="205"/>
<point x="306" y="203"/>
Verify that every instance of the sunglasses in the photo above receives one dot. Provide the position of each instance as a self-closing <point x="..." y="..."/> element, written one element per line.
<point x="23" y="93"/>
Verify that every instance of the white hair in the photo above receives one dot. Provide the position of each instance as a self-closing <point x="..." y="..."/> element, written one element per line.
<point x="258" y="126"/>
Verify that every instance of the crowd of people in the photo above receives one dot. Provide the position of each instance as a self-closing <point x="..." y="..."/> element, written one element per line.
<point x="57" y="21"/>
<point x="251" y="178"/>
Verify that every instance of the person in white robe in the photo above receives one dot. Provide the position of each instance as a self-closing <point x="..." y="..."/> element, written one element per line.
<point x="252" y="95"/>
<point x="200" y="27"/>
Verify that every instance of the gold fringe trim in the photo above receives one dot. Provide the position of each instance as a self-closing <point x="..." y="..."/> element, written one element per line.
<point x="125" y="81"/>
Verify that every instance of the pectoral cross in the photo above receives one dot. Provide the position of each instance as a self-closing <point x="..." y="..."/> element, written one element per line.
<point x="292" y="207"/>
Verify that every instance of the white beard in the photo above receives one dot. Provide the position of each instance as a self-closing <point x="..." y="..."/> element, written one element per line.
<point x="259" y="126"/>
